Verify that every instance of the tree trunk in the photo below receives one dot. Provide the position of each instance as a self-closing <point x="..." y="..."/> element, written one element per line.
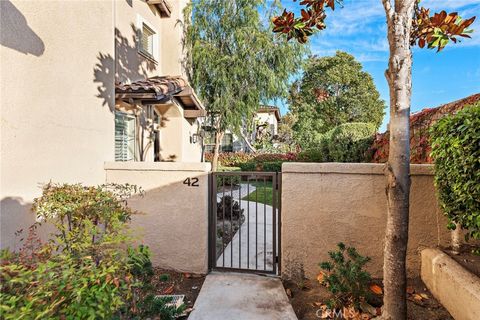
<point x="399" y="77"/>
<point x="216" y="149"/>
<point x="249" y="145"/>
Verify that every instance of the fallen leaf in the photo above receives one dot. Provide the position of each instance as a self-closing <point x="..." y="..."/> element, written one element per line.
<point x="187" y="275"/>
<point x="289" y="292"/>
<point x="318" y="304"/>
<point x="320" y="277"/>
<point x="410" y="290"/>
<point x="424" y="296"/>
<point x="417" y="297"/>
<point x="376" y="289"/>
<point x="168" y="290"/>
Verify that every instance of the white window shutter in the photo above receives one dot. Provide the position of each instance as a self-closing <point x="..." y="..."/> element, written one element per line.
<point x="124" y="137"/>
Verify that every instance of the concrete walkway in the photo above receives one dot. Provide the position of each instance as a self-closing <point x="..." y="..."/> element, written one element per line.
<point x="233" y="296"/>
<point x="252" y="245"/>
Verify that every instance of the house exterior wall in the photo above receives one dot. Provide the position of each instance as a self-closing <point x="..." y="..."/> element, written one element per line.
<point x="327" y="203"/>
<point x="53" y="125"/>
<point x="268" y="117"/>
<point x="58" y="65"/>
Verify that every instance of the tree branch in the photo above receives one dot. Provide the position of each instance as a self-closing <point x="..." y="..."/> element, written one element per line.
<point x="388" y="9"/>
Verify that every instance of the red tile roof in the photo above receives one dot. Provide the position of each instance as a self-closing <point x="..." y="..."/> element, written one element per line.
<point x="165" y="85"/>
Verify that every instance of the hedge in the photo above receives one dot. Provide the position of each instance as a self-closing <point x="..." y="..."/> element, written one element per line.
<point x="349" y="142"/>
<point x="455" y="144"/>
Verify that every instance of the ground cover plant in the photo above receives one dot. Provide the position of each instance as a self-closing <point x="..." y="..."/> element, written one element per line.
<point x="89" y="268"/>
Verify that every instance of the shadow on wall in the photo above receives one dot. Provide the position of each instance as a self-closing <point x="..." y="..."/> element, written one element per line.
<point x="15" y="215"/>
<point x="127" y="65"/>
<point x="15" y="32"/>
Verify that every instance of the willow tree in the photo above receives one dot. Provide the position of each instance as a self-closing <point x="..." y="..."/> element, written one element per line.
<point x="234" y="61"/>
<point x="408" y="25"/>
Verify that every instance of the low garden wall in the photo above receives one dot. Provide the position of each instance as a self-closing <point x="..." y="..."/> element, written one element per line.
<point x="327" y="203"/>
<point x="173" y="215"/>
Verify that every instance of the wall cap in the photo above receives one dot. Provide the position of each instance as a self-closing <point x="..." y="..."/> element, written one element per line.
<point x="158" y="166"/>
<point x="350" y="168"/>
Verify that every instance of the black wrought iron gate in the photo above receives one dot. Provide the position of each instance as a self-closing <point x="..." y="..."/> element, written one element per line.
<point x="244" y="222"/>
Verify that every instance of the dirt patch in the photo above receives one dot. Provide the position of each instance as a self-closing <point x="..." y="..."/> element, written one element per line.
<point x="172" y="282"/>
<point x="307" y="297"/>
<point x="467" y="259"/>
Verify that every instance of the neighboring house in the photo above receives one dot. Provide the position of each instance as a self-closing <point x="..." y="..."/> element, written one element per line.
<point x="88" y="82"/>
<point x="265" y="122"/>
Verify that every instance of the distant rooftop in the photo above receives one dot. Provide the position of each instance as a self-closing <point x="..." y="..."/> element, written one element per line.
<point x="268" y="109"/>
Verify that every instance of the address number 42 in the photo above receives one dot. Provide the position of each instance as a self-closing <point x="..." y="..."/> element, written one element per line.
<point x="191" y="182"/>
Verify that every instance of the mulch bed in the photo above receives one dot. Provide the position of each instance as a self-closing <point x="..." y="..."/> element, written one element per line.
<point x="177" y="283"/>
<point x="308" y="296"/>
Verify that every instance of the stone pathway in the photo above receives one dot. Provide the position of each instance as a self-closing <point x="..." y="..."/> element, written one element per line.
<point x="236" y="296"/>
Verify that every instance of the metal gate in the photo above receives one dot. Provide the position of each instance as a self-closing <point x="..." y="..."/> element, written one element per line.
<point x="244" y="222"/>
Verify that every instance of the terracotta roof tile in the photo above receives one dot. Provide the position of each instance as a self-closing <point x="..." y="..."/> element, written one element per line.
<point x="165" y="85"/>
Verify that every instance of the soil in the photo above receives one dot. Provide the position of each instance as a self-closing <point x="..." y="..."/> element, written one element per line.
<point x="178" y="283"/>
<point x="467" y="259"/>
<point x="307" y="297"/>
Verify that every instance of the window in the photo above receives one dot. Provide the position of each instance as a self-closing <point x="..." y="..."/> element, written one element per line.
<point x="148" y="39"/>
<point x="124" y="137"/>
<point x="146" y="44"/>
<point x="227" y="142"/>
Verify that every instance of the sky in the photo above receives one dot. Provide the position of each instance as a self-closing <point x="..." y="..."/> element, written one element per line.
<point x="359" y="28"/>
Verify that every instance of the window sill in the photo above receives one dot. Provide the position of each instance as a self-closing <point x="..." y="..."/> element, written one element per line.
<point x="148" y="57"/>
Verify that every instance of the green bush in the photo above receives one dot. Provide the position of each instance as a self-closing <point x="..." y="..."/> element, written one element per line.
<point x="272" y="166"/>
<point x="345" y="278"/>
<point x="249" y="166"/>
<point x="456" y="152"/>
<point x="349" y="142"/>
<point x="87" y="269"/>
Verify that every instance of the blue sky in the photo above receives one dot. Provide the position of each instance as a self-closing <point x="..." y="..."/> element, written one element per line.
<point x="359" y="28"/>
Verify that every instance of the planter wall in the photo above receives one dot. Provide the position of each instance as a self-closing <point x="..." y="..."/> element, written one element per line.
<point x="457" y="289"/>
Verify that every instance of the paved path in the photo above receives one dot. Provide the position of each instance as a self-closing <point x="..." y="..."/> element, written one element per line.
<point x="252" y="245"/>
<point x="233" y="296"/>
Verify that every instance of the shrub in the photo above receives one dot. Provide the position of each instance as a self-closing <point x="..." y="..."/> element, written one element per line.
<point x="272" y="166"/>
<point x="249" y="166"/>
<point x="456" y="151"/>
<point x="229" y="209"/>
<point x="231" y="159"/>
<point x="345" y="278"/>
<point x="87" y="269"/>
<point x="349" y="142"/>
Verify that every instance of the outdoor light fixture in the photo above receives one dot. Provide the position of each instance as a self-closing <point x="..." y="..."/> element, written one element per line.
<point x="194" y="138"/>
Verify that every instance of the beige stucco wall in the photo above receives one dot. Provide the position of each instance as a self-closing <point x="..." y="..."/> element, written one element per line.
<point x="59" y="61"/>
<point x="53" y="124"/>
<point x="173" y="218"/>
<point x="327" y="203"/>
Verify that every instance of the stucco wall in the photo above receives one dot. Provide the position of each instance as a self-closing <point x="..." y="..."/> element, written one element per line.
<point x="327" y="203"/>
<point x="55" y="123"/>
<point x="173" y="218"/>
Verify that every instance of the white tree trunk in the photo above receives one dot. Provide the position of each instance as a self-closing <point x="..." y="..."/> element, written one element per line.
<point x="399" y="77"/>
<point x="216" y="150"/>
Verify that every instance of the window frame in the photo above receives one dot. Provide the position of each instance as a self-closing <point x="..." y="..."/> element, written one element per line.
<point x="154" y="55"/>
<point x="133" y="117"/>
